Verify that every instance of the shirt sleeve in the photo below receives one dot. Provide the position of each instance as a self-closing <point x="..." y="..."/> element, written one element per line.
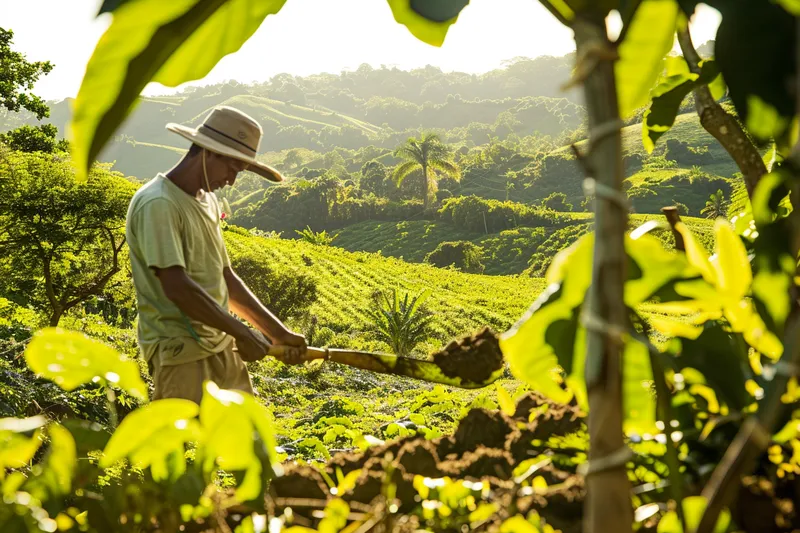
<point x="159" y="226"/>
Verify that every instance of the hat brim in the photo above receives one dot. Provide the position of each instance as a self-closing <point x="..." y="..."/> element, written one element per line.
<point x="215" y="146"/>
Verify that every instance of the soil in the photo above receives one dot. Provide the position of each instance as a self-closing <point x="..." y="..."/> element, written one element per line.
<point x="485" y="447"/>
<point x="473" y="359"/>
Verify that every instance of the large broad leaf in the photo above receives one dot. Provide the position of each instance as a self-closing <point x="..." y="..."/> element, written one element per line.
<point x="237" y="436"/>
<point x="641" y="54"/>
<point x="427" y="22"/>
<point x="72" y="359"/>
<point x="152" y="40"/>
<point x="531" y="357"/>
<point x="667" y="98"/>
<point x="751" y="51"/>
<point x="721" y="357"/>
<point x="16" y="448"/>
<point x="154" y="436"/>
<point x="548" y="338"/>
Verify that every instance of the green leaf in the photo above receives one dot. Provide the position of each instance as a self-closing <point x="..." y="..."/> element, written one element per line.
<point x="438" y="10"/>
<point x="55" y="477"/>
<point x="722" y="359"/>
<point x="731" y="264"/>
<point x="648" y="39"/>
<point x="638" y="398"/>
<point x="763" y="119"/>
<point x="517" y="524"/>
<point x="151" y="40"/>
<point x="110" y="5"/>
<point x="336" y="513"/>
<point x="17" y="449"/>
<point x="693" y="508"/>
<point x="230" y="420"/>
<point x="154" y="436"/>
<point x="72" y="359"/>
<point x="792" y="6"/>
<point x="504" y="399"/>
<point x="427" y="31"/>
<point x="668" y="96"/>
<point x="531" y="358"/>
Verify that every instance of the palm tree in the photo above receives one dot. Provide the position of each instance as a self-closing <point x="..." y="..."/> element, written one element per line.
<point x="429" y="154"/>
<point x="716" y="205"/>
<point x="400" y="323"/>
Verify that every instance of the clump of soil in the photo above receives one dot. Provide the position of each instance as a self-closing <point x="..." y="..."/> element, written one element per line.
<point x="473" y="359"/>
<point x="486" y="447"/>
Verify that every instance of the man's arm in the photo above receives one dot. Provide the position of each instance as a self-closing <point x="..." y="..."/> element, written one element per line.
<point x="196" y="303"/>
<point x="245" y="304"/>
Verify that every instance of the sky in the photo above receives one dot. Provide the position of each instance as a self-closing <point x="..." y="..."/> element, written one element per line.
<point x="312" y="36"/>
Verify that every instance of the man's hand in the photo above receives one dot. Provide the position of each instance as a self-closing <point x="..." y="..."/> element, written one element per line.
<point x="297" y="347"/>
<point x="252" y="346"/>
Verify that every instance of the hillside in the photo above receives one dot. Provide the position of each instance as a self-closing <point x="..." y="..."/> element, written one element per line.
<point x="461" y="303"/>
<point x="379" y="107"/>
<point x="508" y="252"/>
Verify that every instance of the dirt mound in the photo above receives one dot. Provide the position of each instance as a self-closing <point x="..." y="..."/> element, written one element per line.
<point x="486" y="447"/>
<point x="473" y="359"/>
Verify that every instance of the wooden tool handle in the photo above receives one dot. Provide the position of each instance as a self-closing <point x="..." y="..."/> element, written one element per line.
<point x="312" y="353"/>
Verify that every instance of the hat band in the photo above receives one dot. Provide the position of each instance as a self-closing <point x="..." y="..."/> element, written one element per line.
<point x="219" y="136"/>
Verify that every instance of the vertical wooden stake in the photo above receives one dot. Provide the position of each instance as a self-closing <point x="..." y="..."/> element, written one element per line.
<point x="608" y="505"/>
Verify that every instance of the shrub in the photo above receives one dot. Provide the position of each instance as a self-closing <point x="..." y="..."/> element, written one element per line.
<point x="463" y="255"/>
<point x="477" y="214"/>
<point x="557" y="201"/>
<point x="287" y="293"/>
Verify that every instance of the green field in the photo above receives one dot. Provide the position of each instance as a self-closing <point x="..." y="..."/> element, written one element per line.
<point x="462" y="303"/>
<point x="505" y="253"/>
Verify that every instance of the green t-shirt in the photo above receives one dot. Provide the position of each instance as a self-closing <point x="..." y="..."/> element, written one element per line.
<point x="167" y="227"/>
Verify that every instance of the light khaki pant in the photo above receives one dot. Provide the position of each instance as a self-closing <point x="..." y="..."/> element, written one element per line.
<point x="185" y="380"/>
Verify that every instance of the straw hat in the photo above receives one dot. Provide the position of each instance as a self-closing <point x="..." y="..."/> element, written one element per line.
<point x="227" y="131"/>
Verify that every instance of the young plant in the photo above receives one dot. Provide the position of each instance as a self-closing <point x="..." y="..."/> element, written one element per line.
<point x="716" y="205"/>
<point x="400" y="323"/>
<point x="321" y="238"/>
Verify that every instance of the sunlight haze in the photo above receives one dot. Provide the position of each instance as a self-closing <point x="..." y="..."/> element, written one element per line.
<point x="312" y="36"/>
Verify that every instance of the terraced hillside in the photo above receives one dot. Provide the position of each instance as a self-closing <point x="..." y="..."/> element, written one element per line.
<point x="462" y="303"/>
<point x="508" y="252"/>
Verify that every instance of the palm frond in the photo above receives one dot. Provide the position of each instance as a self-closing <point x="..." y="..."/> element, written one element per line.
<point x="403" y="170"/>
<point x="448" y="167"/>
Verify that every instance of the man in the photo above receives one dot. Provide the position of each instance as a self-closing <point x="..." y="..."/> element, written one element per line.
<point x="184" y="282"/>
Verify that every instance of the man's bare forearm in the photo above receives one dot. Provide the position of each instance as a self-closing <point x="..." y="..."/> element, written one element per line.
<point x="197" y="304"/>
<point x="245" y="304"/>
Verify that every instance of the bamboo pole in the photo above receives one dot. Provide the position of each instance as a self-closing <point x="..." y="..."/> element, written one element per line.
<point x="608" y="503"/>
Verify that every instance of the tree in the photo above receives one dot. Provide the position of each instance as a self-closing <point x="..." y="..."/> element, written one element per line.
<point x="374" y="179"/>
<point x="464" y="255"/>
<point x="61" y="241"/>
<point x="400" y="323"/>
<point x="557" y="201"/>
<point x="17" y="78"/>
<point x="428" y="154"/>
<point x="293" y="159"/>
<point x="41" y="138"/>
<point x="716" y="205"/>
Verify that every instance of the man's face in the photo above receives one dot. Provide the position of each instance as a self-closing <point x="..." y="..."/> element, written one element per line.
<point x="222" y="170"/>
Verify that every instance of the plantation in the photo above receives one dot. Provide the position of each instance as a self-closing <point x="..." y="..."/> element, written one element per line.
<point x="558" y="296"/>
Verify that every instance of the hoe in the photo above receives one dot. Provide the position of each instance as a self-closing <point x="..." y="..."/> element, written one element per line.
<point x="470" y="362"/>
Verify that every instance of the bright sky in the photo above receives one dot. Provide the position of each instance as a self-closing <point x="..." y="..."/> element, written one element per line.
<point x="312" y="36"/>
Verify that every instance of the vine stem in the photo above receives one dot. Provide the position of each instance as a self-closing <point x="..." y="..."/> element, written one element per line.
<point x="111" y="405"/>
<point x="608" y="504"/>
